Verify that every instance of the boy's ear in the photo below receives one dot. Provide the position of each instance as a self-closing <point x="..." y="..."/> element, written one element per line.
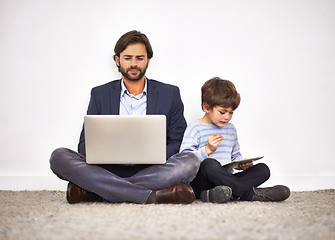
<point x="205" y="107"/>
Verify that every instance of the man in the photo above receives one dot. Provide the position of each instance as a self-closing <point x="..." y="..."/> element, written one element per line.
<point x="133" y="94"/>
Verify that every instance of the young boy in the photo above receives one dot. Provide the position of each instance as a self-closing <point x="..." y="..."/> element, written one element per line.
<point x="214" y="140"/>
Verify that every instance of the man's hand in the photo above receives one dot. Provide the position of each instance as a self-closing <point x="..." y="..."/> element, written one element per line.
<point x="213" y="142"/>
<point x="245" y="166"/>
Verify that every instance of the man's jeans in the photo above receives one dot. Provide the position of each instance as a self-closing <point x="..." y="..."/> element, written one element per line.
<point x="122" y="183"/>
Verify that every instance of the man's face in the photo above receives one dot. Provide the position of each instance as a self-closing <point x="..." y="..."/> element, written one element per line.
<point x="133" y="62"/>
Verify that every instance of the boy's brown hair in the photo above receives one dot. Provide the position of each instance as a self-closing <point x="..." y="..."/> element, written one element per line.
<point x="219" y="92"/>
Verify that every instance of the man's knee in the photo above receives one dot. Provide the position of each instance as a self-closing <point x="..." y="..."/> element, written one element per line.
<point x="192" y="161"/>
<point x="55" y="161"/>
<point x="189" y="165"/>
<point x="56" y="156"/>
<point x="62" y="159"/>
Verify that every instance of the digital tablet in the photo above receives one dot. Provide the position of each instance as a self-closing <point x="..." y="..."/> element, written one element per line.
<point x="235" y="164"/>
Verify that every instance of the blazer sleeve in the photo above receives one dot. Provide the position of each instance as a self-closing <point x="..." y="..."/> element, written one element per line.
<point x="91" y="110"/>
<point x="176" y="125"/>
<point x="104" y="101"/>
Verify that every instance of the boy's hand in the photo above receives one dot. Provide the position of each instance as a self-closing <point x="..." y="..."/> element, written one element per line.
<point x="245" y="166"/>
<point x="213" y="142"/>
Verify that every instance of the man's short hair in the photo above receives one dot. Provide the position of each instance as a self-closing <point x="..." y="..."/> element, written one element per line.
<point x="219" y="92"/>
<point x="131" y="38"/>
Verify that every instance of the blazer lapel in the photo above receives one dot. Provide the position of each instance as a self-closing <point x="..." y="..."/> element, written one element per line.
<point x="115" y="98"/>
<point x="151" y="97"/>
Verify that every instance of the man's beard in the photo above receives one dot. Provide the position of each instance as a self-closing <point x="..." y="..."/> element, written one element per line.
<point x="126" y="74"/>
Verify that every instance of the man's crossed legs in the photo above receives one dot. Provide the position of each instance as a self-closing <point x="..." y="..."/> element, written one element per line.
<point x="166" y="183"/>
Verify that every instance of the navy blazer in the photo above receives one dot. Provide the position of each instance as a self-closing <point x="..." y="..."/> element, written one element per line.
<point x="161" y="99"/>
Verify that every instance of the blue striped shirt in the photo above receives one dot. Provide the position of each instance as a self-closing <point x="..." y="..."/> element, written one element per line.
<point x="196" y="138"/>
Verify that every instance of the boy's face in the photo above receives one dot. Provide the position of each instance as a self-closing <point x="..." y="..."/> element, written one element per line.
<point x="218" y="115"/>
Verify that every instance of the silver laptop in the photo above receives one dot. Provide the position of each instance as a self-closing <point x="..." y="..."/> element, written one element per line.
<point x="123" y="139"/>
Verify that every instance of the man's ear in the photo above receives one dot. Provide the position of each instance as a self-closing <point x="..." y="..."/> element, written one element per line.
<point x="117" y="61"/>
<point x="205" y="107"/>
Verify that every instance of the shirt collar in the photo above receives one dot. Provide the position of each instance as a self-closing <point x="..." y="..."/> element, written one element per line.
<point x="124" y="89"/>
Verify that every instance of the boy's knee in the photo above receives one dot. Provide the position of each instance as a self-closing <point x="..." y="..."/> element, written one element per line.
<point x="209" y="165"/>
<point x="264" y="169"/>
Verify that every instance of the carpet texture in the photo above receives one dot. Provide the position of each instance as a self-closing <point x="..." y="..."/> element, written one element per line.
<point x="47" y="215"/>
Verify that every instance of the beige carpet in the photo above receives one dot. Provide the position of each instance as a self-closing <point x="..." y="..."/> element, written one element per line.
<point x="47" y="215"/>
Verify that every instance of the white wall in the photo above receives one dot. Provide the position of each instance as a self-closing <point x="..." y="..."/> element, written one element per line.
<point x="279" y="54"/>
